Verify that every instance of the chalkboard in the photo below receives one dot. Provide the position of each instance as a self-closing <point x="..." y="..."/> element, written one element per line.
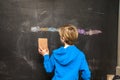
<point x="22" y="22"/>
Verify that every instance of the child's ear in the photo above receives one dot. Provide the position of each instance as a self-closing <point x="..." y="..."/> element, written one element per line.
<point x="62" y="39"/>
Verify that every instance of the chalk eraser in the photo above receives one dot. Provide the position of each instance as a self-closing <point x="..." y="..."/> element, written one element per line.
<point x="43" y="43"/>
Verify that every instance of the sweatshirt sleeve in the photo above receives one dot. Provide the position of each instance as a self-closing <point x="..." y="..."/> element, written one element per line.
<point x="48" y="63"/>
<point x="86" y="74"/>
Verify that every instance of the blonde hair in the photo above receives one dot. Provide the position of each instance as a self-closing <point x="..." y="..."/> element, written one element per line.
<point x="69" y="33"/>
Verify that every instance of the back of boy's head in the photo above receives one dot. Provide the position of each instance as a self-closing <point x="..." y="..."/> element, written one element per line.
<point x="69" y="33"/>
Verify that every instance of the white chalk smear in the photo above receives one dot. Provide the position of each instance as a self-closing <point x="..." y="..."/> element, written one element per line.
<point x="29" y="62"/>
<point x="35" y="29"/>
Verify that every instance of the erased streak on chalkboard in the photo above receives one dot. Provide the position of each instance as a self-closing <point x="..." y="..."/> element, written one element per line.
<point x="52" y="29"/>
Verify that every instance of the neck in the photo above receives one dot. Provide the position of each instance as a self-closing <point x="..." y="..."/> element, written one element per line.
<point x="66" y="45"/>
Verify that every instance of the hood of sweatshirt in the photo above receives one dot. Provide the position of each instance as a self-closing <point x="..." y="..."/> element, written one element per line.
<point x="65" y="55"/>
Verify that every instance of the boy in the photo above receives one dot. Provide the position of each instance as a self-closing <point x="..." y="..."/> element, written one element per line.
<point x="67" y="61"/>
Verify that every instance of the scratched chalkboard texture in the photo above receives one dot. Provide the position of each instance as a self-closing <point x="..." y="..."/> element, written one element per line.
<point x="22" y="22"/>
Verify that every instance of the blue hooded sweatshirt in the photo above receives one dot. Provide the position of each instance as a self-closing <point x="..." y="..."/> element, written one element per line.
<point x="66" y="63"/>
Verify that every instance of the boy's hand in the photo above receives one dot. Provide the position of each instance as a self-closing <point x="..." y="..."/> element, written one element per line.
<point x="43" y="51"/>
